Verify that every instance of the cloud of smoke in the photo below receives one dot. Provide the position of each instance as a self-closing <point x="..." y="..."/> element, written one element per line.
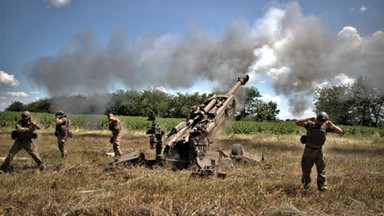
<point x="297" y="52"/>
<point x="300" y="54"/>
<point x="172" y="61"/>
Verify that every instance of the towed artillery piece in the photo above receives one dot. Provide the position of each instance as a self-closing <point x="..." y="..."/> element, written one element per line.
<point x="187" y="144"/>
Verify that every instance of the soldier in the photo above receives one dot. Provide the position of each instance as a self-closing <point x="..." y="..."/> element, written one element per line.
<point x="317" y="129"/>
<point x="115" y="127"/>
<point x="62" y="131"/>
<point x="156" y="136"/>
<point x="23" y="136"/>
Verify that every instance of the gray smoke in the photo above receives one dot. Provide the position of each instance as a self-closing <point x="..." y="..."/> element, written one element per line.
<point x="300" y="55"/>
<point x="171" y="61"/>
<point x="296" y="51"/>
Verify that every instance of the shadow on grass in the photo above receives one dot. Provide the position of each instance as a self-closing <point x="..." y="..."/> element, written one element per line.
<point x="254" y="144"/>
<point x="379" y="150"/>
<point x="281" y="146"/>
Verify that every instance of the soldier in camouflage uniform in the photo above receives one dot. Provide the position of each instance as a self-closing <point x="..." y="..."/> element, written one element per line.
<point x="317" y="129"/>
<point x="23" y="136"/>
<point x="156" y="136"/>
<point x="115" y="127"/>
<point x="62" y="131"/>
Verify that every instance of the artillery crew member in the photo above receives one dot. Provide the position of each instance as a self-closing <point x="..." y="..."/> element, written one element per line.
<point x="23" y="136"/>
<point x="115" y="127"/>
<point x="317" y="129"/>
<point x="62" y="131"/>
<point x="156" y="136"/>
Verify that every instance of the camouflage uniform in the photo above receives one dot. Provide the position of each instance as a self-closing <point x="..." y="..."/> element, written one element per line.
<point x="24" y="134"/>
<point x="313" y="153"/>
<point x="156" y="137"/>
<point x="62" y="131"/>
<point x="115" y="127"/>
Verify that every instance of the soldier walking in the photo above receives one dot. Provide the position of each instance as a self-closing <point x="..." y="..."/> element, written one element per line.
<point x="23" y="136"/>
<point x="317" y="129"/>
<point x="62" y="131"/>
<point x="115" y="127"/>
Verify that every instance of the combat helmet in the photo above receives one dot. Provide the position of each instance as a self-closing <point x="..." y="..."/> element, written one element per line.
<point x="60" y="112"/>
<point x="322" y="116"/>
<point x="26" y="115"/>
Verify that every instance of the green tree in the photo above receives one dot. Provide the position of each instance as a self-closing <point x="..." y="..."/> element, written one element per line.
<point x="16" y="106"/>
<point x="266" y="111"/>
<point x="152" y="101"/>
<point x="336" y="101"/>
<point x="41" y="105"/>
<point x="255" y="107"/>
<point x="357" y="104"/>
<point x="367" y="107"/>
<point x="250" y="97"/>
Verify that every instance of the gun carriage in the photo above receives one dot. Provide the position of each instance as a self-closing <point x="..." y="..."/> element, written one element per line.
<point x="187" y="144"/>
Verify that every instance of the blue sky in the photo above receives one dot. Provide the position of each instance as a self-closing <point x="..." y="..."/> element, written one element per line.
<point x="55" y="47"/>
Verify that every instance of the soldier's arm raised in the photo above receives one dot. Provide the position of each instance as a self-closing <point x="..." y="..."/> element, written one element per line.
<point x="336" y="129"/>
<point x="20" y="128"/>
<point x="36" y="125"/>
<point x="301" y="122"/>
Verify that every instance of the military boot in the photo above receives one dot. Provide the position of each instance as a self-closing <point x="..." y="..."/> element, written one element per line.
<point x="42" y="166"/>
<point x="306" y="183"/>
<point x="5" y="167"/>
<point x="323" y="188"/>
<point x="64" y="154"/>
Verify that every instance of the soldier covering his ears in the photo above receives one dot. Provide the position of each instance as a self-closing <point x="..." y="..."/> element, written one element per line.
<point x="317" y="129"/>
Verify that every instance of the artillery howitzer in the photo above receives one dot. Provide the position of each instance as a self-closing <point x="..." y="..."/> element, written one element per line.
<point x="187" y="143"/>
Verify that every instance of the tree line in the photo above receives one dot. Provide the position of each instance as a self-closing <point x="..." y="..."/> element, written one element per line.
<point x="140" y="103"/>
<point x="356" y="104"/>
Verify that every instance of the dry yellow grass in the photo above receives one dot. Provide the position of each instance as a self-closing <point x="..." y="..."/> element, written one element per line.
<point x="84" y="184"/>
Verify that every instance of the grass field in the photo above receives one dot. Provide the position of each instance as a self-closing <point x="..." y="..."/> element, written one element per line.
<point x="85" y="184"/>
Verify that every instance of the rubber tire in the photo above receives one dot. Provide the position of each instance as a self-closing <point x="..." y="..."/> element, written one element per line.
<point x="237" y="150"/>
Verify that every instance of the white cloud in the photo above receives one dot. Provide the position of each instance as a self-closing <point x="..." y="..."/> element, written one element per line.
<point x="17" y="94"/>
<point x="344" y="79"/>
<point x="8" y="80"/>
<point x="363" y="8"/>
<point x="316" y="85"/>
<point x="350" y="34"/>
<point x="162" y="89"/>
<point x="276" y="73"/>
<point x="58" y="3"/>
<point x="267" y="98"/>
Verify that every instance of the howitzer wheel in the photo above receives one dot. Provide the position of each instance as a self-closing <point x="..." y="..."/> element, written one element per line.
<point x="237" y="150"/>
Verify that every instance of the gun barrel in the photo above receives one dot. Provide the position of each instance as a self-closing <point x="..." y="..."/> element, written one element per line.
<point x="241" y="80"/>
